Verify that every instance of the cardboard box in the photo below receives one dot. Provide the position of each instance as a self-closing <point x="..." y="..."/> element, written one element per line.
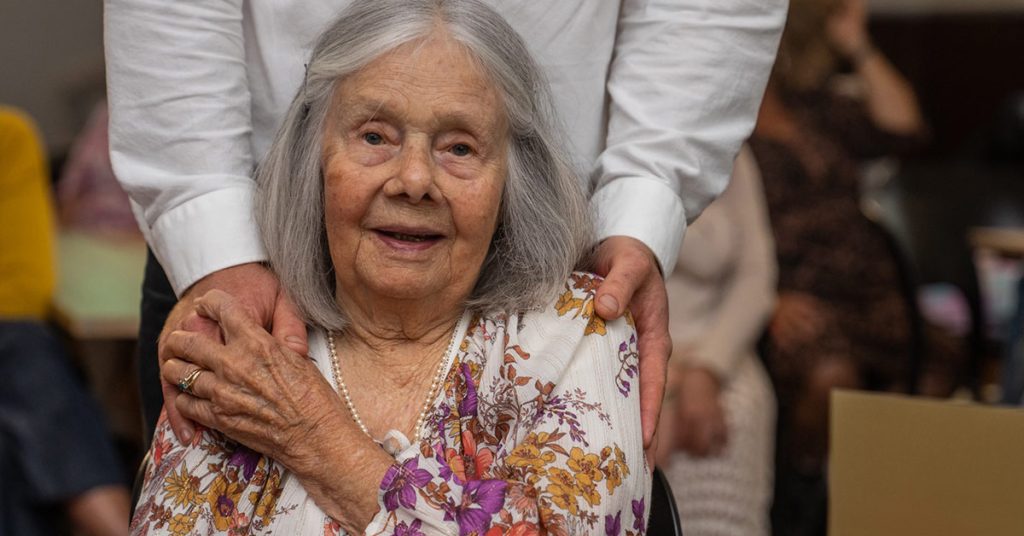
<point x="909" y="466"/>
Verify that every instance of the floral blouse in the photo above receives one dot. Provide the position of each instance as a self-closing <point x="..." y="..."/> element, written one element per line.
<point x="537" y="430"/>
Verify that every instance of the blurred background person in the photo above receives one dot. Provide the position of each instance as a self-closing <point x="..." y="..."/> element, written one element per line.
<point x="841" y="319"/>
<point x="89" y="197"/>
<point x="54" y="451"/>
<point x="719" y="419"/>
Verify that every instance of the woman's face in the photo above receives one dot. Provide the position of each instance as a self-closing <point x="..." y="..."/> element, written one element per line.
<point x="414" y="159"/>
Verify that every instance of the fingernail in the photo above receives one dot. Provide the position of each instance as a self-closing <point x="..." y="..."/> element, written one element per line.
<point x="292" y="339"/>
<point x="186" y="436"/>
<point x="610" y="302"/>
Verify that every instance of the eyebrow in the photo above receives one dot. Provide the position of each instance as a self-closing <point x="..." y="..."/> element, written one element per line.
<point x="367" y="109"/>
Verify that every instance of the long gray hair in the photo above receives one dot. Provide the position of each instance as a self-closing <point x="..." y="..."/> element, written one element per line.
<point x="543" y="229"/>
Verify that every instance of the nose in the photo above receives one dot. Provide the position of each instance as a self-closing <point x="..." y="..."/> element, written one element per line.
<point x="414" y="179"/>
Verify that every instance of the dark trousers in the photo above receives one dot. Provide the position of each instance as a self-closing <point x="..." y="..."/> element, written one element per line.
<point x="157" y="301"/>
<point x="54" y="443"/>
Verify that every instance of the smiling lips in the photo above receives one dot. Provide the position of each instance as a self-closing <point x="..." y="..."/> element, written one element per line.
<point x="409" y="239"/>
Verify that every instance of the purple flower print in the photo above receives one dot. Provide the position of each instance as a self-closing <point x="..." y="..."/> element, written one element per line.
<point x="628" y="365"/>
<point x="613" y="525"/>
<point x="400" y="483"/>
<point x="467" y="407"/>
<point x="444" y="471"/>
<point x="409" y="530"/>
<point x="481" y="499"/>
<point x="245" y="459"/>
<point x="225" y="506"/>
<point x="638" y="516"/>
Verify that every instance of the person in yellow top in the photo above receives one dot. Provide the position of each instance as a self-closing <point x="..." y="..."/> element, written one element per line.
<point x="55" y="454"/>
<point x="27" y="275"/>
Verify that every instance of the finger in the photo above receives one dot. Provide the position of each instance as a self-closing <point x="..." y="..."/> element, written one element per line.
<point x="236" y="319"/>
<point x="628" y="270"/>
<point x="198" y="324"/>
<point x="651" y="452"/>
<point x="287" y="325"/>
<point x="239" y="418"/>
<point x="703" y="440"/>
<point x="208" y="386"/>
<point x="175" y="370"/>
<point x="655" y="347"/>
<point x="684" y="435"/>
<point x="194" y="348"/>
<point x="199" y="410"/>
<point x="183" y="429"/>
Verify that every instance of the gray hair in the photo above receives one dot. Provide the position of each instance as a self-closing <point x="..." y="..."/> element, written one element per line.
<point x="543" y="229"/>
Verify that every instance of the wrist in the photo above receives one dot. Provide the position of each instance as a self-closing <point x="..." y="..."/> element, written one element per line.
<point x="703" y="377"/>
<point x="344" y="479"/>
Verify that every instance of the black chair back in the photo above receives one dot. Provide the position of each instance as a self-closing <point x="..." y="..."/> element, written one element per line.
<point x="664" y="516"/>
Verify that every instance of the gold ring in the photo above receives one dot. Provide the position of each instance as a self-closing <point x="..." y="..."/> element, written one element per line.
<point x="187" y="381"/>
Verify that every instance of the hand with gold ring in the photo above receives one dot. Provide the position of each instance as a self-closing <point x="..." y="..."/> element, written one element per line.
<point x="186" y="381"/>
<point x="255" y="389"/>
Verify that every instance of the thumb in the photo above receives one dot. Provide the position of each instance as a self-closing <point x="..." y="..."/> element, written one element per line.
<point x="287" y="325"/>
<point x="625" y="275"/>
<point x="626" y="264"/>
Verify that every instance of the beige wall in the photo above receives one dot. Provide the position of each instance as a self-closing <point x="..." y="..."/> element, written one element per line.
<point x="50" y="50"/>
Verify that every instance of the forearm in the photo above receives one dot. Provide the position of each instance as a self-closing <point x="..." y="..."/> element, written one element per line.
<point x="684" y="90"/>
<point x="180" y="128"/>
<point x="891" y="101"/>
<point x="344" y="481"/>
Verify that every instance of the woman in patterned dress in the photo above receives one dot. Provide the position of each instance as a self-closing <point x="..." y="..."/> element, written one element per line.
<point x="419" y="211"/>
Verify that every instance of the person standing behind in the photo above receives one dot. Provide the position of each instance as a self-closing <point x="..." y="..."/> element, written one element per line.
<point x="720" y="411"/>
<point x="656" y="94"/>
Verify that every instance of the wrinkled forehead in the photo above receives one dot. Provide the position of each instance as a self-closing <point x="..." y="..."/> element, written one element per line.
<point x="435" y="75"/>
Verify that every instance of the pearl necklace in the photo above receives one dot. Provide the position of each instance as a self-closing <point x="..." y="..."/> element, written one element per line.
<point x="435" y="384"/>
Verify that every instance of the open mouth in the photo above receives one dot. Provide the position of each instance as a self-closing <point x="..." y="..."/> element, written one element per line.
<point x="411" y="237"/>
<point x="408" y="237"/>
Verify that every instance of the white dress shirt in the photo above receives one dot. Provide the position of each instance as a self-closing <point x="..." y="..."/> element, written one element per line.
<point x="655" y="95"/>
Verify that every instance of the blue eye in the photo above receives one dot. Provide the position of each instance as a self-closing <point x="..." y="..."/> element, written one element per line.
<point x="373" y="138"/>
<point x="461" y="149"/>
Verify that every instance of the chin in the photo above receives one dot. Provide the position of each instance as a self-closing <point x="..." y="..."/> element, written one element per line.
<point x="406" y="284"/>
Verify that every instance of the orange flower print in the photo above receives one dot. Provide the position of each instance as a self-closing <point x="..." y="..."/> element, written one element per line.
<point x="182" y="488"/>
<point x="527" y="454"/>
<point x="478" y="461"/>
<point x="586" y="466"/>
<point x="563" y="490"/>
<point x="522" y="499"/>
<point x="223" y="500"/>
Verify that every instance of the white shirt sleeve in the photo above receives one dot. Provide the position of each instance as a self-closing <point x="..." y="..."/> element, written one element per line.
<point x="685" y="84"/>
<point x="180" y="131"/>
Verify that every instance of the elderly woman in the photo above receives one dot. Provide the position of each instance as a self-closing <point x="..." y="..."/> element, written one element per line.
<point x="418" y="209"/>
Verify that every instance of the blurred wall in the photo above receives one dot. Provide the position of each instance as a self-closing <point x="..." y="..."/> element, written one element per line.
<point x="51" y="56"/>
<point x="965" y="67"/>
<point x="944" y="6"/>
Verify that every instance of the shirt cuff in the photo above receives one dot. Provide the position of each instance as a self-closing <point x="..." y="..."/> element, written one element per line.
<point x="645" y="209"/>
<point x="205" y="234"/>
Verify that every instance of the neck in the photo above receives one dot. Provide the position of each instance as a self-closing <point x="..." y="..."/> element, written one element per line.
<point x="397" y="341"/>
<point x="392" y="366"/>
